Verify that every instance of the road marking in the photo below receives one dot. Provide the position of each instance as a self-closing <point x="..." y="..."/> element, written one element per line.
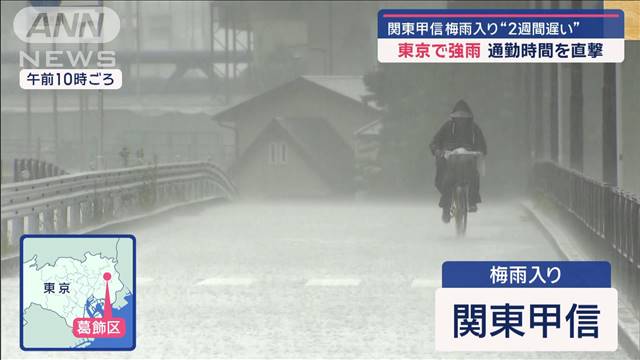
<point x="424" y="282"/>
<point x="226" y="281"/>
<point x="333" y="282"/>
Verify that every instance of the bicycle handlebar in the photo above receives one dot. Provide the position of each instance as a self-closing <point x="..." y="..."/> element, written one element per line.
<point x="462" y="154"/>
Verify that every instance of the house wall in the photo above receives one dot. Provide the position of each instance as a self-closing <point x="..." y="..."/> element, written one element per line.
<point x="301" y="99"/>
<point x="258" y="179"/>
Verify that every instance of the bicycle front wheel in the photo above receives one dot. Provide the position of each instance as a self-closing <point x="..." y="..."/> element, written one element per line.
<point x="461" y="202"/>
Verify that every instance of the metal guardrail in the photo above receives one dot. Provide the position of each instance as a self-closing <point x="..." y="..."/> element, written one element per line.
<point x="608" y="212"/>
<point x="32" y="169"/>
<point x="69" y="202"/>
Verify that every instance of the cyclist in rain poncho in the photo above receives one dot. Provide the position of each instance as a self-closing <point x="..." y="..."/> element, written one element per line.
<point x="459" y="131"/>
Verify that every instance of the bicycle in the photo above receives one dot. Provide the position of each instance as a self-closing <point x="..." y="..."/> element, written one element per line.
<point x="461" y="165"/>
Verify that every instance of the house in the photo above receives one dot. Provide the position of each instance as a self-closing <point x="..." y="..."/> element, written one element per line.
<point x="298" y="139"/>
<point x="296" y="157"/>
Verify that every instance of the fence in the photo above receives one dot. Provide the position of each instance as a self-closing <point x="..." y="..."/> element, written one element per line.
<point x="609" y="213"/>
<point x="33" y="169"/>
<point x="70" y="202"/>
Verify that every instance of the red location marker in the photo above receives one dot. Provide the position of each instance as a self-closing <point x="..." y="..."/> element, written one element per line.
<point x="105" y="327"/>
<point x="107" y="298"/>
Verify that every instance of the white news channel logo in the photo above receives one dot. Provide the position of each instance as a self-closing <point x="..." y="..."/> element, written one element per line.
<point x="66" y="25"/>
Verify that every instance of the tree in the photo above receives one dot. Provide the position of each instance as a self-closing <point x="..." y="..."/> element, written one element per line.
<point x="413" y="97"/>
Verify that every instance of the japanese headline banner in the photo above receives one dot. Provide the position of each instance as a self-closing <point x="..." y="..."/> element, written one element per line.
<point x="500" y="35"/>
<point x="568" y="274"/>
<point x="526" y="319"/>
<point x="526" y="306"/>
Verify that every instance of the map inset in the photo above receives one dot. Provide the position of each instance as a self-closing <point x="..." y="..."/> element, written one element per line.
<point x="77" y="292"/>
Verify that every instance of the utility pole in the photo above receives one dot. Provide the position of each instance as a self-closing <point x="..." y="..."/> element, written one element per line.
<point x="227" y="94"/>
<point x="55" y="120"/>
<point x="553" y="114"/>
<point x="576" y="101"/>
<point x="138" y="45"/>
<point x="528" y="95"/>
<point x="250" y="45"/>
<point x="81" y="109"/>
<point x="29" y="130"/>
<point x="233" y="45"/>
<point x="100" y="163"/>
<point x="609" y="126"/>
<point x="330" y="38"/>
<point x="212" y="46"/>
<point x="537" y="111"/>
<point x="576" y="131"/>
<point x="554" y="131"/>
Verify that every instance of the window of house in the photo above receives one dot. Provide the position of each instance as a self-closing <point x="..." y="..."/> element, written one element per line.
<point x="272" y="153"/>
<point x="278" y="153"/>
<point x="283" y="153"/>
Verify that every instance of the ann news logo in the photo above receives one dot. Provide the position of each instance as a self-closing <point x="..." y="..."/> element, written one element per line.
<point x="51" y="68"/>
<point x="66" y="25"/>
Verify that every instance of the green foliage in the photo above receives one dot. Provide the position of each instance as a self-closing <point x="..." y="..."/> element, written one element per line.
<point x="410" y="94"/>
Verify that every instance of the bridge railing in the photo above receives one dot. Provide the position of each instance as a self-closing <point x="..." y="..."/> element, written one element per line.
<point x="68" y="203"/>
<point x="609" y="213"/>
<point x="32" y="169"/>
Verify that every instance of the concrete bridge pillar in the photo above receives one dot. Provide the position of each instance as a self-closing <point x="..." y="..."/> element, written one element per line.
<point x="189" y="187"/>
<point x="203" y="187"/>
<point x="166" y="194"/>
<point x="192" y="190"/>
<point x="183" y="192"/>
<point x="159" y="191"/>
<point x="4" y="237"/>
<point x="33" y="224"/>
<point x="97" y="210"/>
<point x="48" y="221"/>
<point x="74" y="216"/>
<point x="17" y="225"/>
<point x="107" y="208"/>
<point x="61" y="219"/>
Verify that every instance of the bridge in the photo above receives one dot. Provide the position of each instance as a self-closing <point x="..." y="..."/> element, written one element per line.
<point x="78" y="202"/>
<point x="296" y="279"/>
